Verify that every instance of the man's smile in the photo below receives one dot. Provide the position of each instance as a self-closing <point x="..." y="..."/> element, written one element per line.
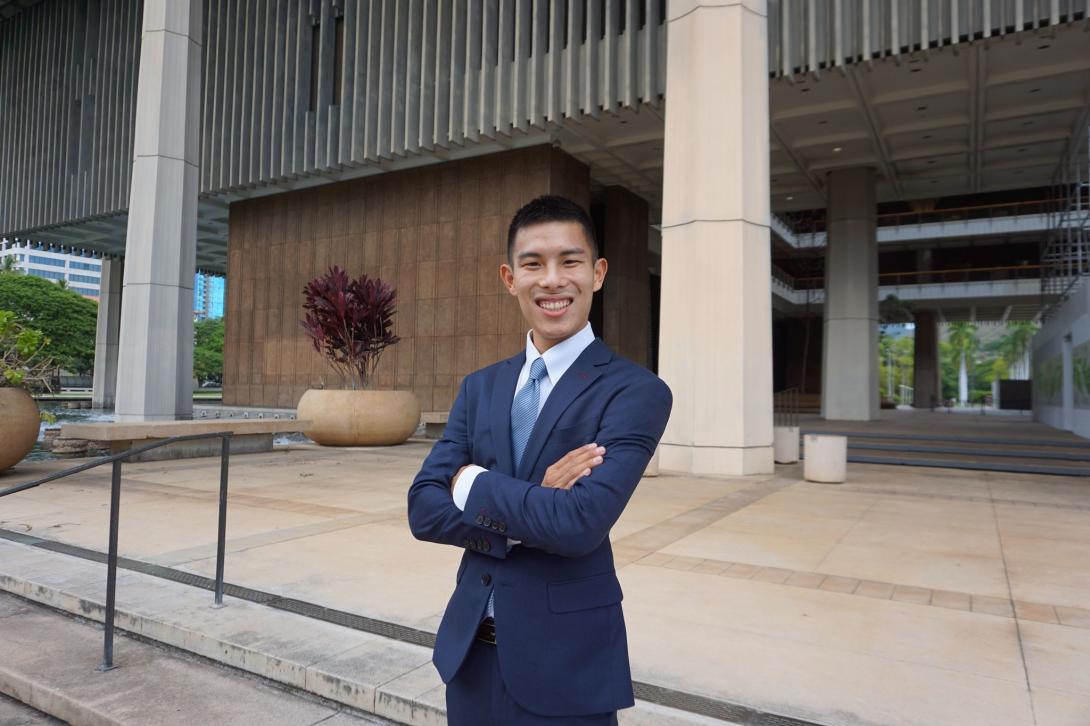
<point x="554" y="306"/>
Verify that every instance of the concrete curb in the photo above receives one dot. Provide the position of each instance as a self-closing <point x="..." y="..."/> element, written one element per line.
<point x="51" y="701"/>
<point x="377" y="675"/>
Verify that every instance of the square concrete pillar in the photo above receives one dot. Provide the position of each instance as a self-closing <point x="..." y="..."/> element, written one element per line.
<point x="927" y="381"/>
<point x="155" y="358"/>
<point x="715" y="341"/>
<point x="104" y="382"/>
<point x="850" y="368"/>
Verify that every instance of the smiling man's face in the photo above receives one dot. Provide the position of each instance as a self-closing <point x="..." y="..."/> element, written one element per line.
<point x="554" y="275"/>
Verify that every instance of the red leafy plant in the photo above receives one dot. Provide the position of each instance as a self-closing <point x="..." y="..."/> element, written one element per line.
<point x="350" y="322"/>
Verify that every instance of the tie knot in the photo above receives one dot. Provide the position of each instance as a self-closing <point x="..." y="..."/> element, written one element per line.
<point x="537" y="369"/>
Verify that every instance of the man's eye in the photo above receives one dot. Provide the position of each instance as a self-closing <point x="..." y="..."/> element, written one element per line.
<point x="572" y="263"/>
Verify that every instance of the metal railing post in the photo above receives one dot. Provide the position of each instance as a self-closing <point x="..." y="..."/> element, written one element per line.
<point x="111" y="569"/>
<point x="225" y="455"/>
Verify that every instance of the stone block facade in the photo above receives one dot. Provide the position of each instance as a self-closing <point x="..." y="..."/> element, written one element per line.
<point x="437" y="233"/>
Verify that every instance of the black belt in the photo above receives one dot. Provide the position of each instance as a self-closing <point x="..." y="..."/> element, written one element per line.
<point x="486" y="631"/>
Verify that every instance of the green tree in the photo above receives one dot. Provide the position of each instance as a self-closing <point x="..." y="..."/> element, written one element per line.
<point x="65" y="317"/>
<point x="1015" y="348"/>
<point x="208" y="350"/>
<point x="964" y="342"/>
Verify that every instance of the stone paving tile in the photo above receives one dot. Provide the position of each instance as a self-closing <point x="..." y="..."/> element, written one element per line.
<point x="992" y="606"/>
<point x="683" y="562"/>
<point x="917" y="595"/>
<point x="1035" y="611"/>
<point x="712" y="567"/>
<point x="741" y="570"/>
<point x="1073" y="617"/>
<point x="656" y="560"/>
<point x="805" y="579"/>
<point x="879" y="590"/>
<point x="776" y="575"/>
<point x="951" y="600"/>
<point x="845" y="585"/>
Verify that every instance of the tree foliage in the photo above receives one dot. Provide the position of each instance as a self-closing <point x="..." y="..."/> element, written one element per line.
<point x="208" y="350"/>
<point x="23" y="361"/>
<point x="63" y="316"/>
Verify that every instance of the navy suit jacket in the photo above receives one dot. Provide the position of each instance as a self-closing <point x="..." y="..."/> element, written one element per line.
<point x="560" y="633"/>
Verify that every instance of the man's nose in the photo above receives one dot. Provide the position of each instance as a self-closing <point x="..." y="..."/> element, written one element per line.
<point x="554" y="276"/>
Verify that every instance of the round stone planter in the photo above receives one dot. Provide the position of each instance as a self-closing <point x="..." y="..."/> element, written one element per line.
<point x="19" y="421"/>
<point x="359" y="418"/>
<point x="826" y="459"/>
<point x="785" y="444"/>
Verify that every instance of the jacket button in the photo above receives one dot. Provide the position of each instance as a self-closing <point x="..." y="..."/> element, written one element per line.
<point x="502" y="527"/>
<point x="487" y="522"/>
<point x="480" y="519"/>
<point x="486" y="545"/>
<point x="486" y="579"/>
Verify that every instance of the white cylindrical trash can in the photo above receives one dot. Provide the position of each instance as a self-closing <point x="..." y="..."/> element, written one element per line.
<point x="785" y="444"/>
<point x="826" y="459"/>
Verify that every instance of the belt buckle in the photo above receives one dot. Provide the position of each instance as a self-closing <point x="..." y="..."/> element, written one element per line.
<point x="486" y="631"/>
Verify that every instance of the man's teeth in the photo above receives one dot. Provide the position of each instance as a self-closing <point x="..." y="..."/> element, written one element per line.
<point x="555" y="305"/>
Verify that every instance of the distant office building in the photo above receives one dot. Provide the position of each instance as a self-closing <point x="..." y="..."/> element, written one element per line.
<point x="81" y="272"/>
<point x="208" y="295"/>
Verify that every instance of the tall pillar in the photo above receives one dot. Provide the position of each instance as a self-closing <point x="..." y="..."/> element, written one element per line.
<point x="849" y="370"/>
<point x="104" y="383"/>
<point x="715" y="348"/>
<point x="926" y="372"/>
<point x="156" y="344"/>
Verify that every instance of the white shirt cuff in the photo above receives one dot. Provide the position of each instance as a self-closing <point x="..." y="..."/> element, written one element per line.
<point x="464" y="484"/>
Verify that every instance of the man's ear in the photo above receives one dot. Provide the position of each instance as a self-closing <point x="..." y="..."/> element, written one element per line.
<point x="600" y="267"/>
<point x="507" y="275"/>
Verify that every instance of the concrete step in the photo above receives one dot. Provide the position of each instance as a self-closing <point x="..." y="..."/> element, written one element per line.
<point x="390" y="678"/>
<point x="49" y="665"/>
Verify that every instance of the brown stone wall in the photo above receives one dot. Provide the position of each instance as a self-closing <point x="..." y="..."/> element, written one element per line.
<point x="622" y="221"/>
<point x="437" y="233"/>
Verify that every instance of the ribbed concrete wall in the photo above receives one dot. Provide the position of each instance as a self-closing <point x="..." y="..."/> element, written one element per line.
<point x="296" y="88"/>
<point x="67" y="109"/>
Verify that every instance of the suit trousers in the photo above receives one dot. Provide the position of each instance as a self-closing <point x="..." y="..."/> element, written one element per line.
<point x="477" y="696"/>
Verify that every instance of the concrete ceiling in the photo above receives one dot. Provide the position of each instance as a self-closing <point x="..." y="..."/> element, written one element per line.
<point x="988" y="116"/>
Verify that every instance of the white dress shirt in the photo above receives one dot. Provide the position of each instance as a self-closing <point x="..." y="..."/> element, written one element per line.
<point x="558" y="360"/>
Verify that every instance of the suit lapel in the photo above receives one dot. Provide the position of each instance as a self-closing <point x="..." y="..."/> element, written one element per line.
<point x="503" y="392"/>
<point x="584" y="371"/>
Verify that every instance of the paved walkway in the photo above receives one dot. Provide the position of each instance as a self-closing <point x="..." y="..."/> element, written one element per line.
<point x="906" y="596"/>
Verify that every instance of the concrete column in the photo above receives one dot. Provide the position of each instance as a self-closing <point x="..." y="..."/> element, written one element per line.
<point x="715" y="348"/>
<point x="104" y="386"/>
<point x="850" y="367"/>
<point x="927" y="375"/>
<point x="156" y="343"/>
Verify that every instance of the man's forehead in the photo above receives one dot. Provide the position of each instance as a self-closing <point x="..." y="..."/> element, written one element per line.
<point x="551" y="237"/>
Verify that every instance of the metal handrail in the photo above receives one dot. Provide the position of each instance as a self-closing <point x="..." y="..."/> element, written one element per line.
<point x="115" y="504"/>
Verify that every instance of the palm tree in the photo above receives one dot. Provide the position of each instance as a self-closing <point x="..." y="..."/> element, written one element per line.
<point x="1015" y="348"/>
<point x="963" y="339"/>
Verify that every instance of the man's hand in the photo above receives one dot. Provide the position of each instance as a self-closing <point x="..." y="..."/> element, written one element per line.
<point x="573" y="466"/>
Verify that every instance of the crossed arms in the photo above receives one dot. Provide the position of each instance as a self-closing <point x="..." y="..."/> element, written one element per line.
<point x="570" y="512"/>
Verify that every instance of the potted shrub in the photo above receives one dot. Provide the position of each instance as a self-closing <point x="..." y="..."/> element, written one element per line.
<point x="350" y="323"/>
<point x="23" y="365"/>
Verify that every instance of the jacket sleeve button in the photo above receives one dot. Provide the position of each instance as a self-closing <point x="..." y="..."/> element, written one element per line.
<point x="486" y="579"/>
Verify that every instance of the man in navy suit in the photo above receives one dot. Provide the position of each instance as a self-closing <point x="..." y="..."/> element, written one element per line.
<point x="540" y="456"/>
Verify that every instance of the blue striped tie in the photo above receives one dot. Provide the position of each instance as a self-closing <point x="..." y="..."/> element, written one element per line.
<point x="524" y="410"/>
<point x="523" y="417"/>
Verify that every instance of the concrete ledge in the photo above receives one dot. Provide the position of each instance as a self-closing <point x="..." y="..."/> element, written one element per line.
<point x="378" y="675"/>
<point x="435" y="423"/>
<point x="251" y="436"/>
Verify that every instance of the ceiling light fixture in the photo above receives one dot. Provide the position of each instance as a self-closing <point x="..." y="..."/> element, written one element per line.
<point x="921" y="108"/>
<point x="837" y="149"/>
<point x="789" y="198"/>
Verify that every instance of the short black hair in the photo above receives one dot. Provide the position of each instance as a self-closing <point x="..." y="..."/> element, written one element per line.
<point x="550" y="208"/>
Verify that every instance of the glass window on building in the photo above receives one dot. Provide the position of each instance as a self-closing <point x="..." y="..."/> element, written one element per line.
<point x="83" y="278"/>
<point x="38" y="259"/>
<point x="75" y="265"/>
<point x="47" y="274"/>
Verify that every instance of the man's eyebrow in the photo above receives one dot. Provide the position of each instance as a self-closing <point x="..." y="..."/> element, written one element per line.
<point x="563" y="253"/>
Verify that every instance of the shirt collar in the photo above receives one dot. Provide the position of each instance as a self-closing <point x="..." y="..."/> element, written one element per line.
<point x="559" y="358"/>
